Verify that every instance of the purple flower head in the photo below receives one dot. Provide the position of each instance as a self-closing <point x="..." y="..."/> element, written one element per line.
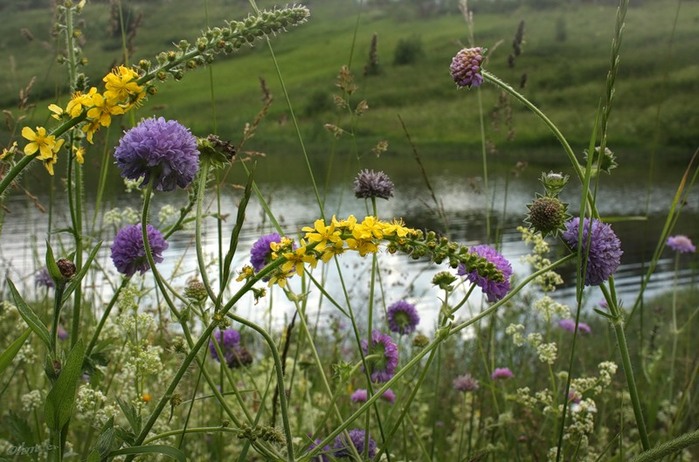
<point x="360" y="395"/>
<point x="574" y="397"/>
<point x="604" y="253"/>
<point x="402" y="317"/>
<point x="163" y="149"/>
<point x="322" y="457"/>
<point x="681" y="244"/>
<point x="384" y="365"/>
<point x="260" y="252"/>
<point x="465" y="383"/>
<point x="62" y="333"/>
<point x="501" y="373"/>
<point x="389" y="396"/>
<point x="492" y="289"/>
<point x="129" y="253"/>
<point x="465" y="67"/>
<point x="569" y="325"/>
<point x="42" y="278"/>
<point x="368" y="184"/>
<point x="227" y="340"/>
<point x="357" y="439"/>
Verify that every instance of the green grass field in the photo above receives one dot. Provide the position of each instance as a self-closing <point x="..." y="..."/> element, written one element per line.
<point x="653" y="107"/>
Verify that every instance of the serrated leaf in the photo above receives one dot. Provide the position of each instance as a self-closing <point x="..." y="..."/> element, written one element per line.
<point x="168" y="451"/>
<point x="59" y="402"/>
<point x="9" y="354"/>
<point x="29" y="316"/>
<point x="104" y="442"/>
<point x="131" y="415"/>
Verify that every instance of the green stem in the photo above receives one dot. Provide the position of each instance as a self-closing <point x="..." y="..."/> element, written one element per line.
<point x="618" y="325"/>
<point x="671" y="447"/>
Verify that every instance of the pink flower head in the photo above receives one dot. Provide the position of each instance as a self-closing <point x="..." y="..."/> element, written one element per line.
<point x="501" y="373"/>
<point x="681" y="244"/>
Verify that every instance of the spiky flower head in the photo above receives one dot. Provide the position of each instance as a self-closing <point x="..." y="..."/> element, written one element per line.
<point x="604" y="250"/>
<point x="554" y="182"/>
<point x="681" y="244"/>
<point x="466" y="67"/>
<point x="493" y="290"/>
<point x="547" y="215"/>
<point x="602" y="160"/>
<point x="369" y="184"/>
<point x="402" y="317"/>
<point x="385" y="356"/>
<point x="357" y="438"/>
<point x="163" y="150"/>
<point x="129" y="253"/>
<point x="465" y="383"/>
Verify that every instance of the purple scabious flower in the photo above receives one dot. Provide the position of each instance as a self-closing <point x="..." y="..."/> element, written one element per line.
<point x="501" y="373"/>
<point x="129" y="253"/>
<point x="465" y="67"/>
<point x="389" y="396"/>
<point x="681" y="244"/>
<point x="569" y="325"/>
<point x="604" y="253"/>
<point x="42" y="278"/>
<point x="164" y="149"/>
<point x="384" y="366"/>
<point x="322" y="457"/>
<point x="402" y="317"/>
<point x="492" y="289"/>
<point x="357" y="439"/>
<point x="227" y="341"/>
<point x="369" y="183"/>
<point x="62" y="333"/>
<point x="465" y="383"/>
<point x="360" y="395"/>
<point x="260" y="252"/>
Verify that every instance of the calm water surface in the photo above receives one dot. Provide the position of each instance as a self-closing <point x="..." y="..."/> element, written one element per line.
<point x="462" y="202"/>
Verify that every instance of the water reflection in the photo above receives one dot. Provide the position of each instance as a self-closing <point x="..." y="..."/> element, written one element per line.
<point x="459" y="201"/>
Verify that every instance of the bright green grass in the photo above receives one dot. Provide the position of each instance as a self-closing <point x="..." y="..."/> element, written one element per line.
<point x="566" y="79"/>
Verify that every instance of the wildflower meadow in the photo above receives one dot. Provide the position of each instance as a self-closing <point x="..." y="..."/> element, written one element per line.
<point x="162" y="325"/>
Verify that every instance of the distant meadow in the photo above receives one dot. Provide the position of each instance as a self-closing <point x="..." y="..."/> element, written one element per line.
<point x="381" y="230"/>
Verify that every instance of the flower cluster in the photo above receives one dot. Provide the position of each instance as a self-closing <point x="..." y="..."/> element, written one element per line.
<point x="600" y="246"/>
<point x="402" y="317"/>
<point x="328" y="239"/>
<point x="128" y="250"/>
<point x="158" y="150"/>
<point x="465" y="67"/>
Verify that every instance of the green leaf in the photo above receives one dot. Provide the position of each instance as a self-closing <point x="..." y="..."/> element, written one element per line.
<point x="104" y="442"/>
<point x="9" y="354"/>
<point x="51" y="265"/>
<point x="131" y="415"/>
<point x="59" y="402"/>
<point x="29" y="316"/>
<point x="75" y="281"/>
<point x="168" y="451"/>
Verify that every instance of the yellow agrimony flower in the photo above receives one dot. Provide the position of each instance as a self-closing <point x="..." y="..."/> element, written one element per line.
<point x="296" y="260"/>
<point x="121" y="86"/>
<point x="397" y="228"/>
<point x="245" y="273"/>
<point x="363" y="246"/>
<point x="49" y="162"/>
<point x="369" y="228"/>
<point x="79" y="102"/>
<point x="57" y="111"/>
<point x="40" y="141"/>
<point x="330" y="251"/>
<point x="322" y="235"/>
<point x="79" y="154"/>
<point x="102" y="110"/>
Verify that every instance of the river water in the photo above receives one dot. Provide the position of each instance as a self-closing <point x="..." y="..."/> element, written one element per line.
<point x="638" y="214"/>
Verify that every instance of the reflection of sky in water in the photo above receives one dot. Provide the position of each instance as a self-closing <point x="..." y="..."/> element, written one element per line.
<point x="24" y="231"/>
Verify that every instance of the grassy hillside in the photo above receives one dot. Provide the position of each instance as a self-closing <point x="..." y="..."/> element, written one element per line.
<point x="565" y="59"/>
